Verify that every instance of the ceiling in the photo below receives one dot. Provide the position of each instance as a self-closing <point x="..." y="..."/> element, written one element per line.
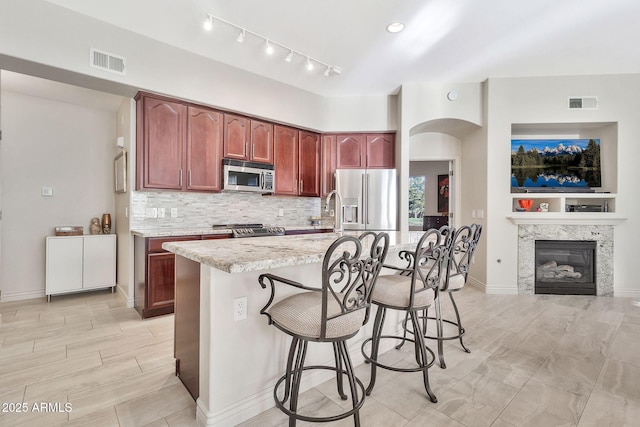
<point x="444" y="40"/>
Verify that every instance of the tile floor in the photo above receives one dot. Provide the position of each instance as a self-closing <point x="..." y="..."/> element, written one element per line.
<point x="534" y="361"/>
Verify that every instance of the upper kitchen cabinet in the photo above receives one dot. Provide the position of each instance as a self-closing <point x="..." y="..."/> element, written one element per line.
<point x="297" y="162"/>
<point x="360" y="151"/>
<point x="350" y="151"/>
<point x="261" y="149"/>
<point x="204" y="150"/>
<point x="309" y="164"/>
<point x="380" y="151"/>
<point x="237" y="132"/>
<point x="328" y="165"/>
<point x="286" y="160"/>
<point x="247" y="139"/>
<point x="179" y="145"/>
<point x="161" y="141"/>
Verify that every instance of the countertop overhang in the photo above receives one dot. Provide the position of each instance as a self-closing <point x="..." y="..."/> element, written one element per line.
<point x="263" y="253"/>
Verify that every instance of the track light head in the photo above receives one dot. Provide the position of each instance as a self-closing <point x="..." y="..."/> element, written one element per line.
<point x="289" y="56"/>
<point x="208" y="24"/>
<point x="268" y="48"/>
<point x="241" y="36"/>
<point x="327" y="72"/>
<point x="309" y="64"/>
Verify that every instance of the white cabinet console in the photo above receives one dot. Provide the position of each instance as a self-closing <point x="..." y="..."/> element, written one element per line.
<point x="80" y="263"/>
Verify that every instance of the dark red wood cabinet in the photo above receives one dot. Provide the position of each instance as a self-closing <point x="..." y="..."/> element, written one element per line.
<point x="154" y="273"/>
<point x="286" y="160"/>
<point x="179" y="146"/>
<point x="236" y="136"/>
<point x="365" y="151"/>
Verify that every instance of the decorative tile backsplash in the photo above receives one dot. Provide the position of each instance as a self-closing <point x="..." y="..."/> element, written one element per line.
<point x="200" y="210"/>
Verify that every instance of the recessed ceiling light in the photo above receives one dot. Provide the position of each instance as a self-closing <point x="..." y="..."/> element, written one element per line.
<point x="395" y="27"/>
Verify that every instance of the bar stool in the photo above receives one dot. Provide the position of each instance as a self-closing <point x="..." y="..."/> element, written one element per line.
<point x="332" y="313"/>
<point x="410" y="291"/>
<point x="462" y="244"/>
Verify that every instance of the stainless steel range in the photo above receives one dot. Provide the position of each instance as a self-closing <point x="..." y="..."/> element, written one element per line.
<point x="251" y="230"/>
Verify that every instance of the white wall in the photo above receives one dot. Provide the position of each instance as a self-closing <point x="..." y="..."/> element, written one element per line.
<point x="47" y="143"/>
<point x="544" y="100"/>
<point x="36" y="35"/>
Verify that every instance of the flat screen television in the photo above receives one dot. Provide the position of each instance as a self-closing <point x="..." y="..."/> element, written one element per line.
<point x="555" y="164"/>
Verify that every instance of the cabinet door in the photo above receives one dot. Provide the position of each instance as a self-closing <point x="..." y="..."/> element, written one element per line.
<point x="381" y="151"/>
<point x="160" y="276"/>
<point x="99" y="265"/>
<point x="328" y="164"/>
<point x="261" y="149"/>
<point x="236" y="137"/>
<point x="350" y="151"/>
<point x="309" y="164"/>
<point x="63" y="264"/>
<point x="204" y="150"/>
<point x="164" y="140"/>
<point x="286" y="160"/>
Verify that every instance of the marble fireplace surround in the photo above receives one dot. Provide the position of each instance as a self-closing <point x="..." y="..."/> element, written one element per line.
<point x="601" y="234"/>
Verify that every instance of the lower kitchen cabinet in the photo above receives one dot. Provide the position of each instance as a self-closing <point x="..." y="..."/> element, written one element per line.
<point x="154" y="273"/>
<point x="80" y="263"/>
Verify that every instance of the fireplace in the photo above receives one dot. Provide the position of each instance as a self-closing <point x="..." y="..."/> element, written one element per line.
<point x="602" y="235"/>
<point x="565" y="267"/>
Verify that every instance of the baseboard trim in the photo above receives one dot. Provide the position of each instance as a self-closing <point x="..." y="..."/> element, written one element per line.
<point x="251" y="406"/>
<point x="626" y="293"/>
<point x="128" y="300"/>
<point x="21" y="295"/>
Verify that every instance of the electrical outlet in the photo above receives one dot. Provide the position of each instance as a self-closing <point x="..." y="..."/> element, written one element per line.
<point x="152" y="213"/>
<point x="174" y="212"/>
<point x="160" y="212"/>
<point x="280" y="212"/>
<point x="239" y="308"/>
<point x="332" y="213"/>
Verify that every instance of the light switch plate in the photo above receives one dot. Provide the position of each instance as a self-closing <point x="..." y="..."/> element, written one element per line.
<point x="152" y="213"/>
<point x="174" y="212"/>
<point x="47" y="191"/>
<point x="160" y="212"/>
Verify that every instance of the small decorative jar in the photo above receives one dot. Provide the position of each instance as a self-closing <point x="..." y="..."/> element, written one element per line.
<point x="94" y="228"/>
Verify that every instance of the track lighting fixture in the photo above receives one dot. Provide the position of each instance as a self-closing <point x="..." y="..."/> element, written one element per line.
<point x="208" y="24"/>
<point x="268" y="48"/>
<point x="272" y="47"/>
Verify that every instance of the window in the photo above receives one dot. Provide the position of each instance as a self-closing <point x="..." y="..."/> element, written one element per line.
<point x="416" y="200"/>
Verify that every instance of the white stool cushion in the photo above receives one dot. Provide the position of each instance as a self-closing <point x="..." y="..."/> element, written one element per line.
<point x="301" y="314"/>
<point x="393" y="290"/>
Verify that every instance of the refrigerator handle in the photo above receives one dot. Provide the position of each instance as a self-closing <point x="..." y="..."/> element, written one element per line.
<point x="364" y="198"/>
<point x="368" y="194"/>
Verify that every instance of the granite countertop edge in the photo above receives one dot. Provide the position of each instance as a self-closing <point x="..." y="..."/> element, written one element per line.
<point x="264" y="253"/>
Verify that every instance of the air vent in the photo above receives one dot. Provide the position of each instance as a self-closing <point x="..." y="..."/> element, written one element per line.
<point x="107" y="61"/>
<point x="583" y="103"/>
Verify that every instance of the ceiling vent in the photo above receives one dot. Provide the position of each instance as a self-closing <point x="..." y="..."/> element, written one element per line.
<point x="583" y="103"/>
<point x="107" y="61"/>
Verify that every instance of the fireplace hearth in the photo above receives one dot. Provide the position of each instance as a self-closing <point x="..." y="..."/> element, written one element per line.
<point x="565" y="267"/>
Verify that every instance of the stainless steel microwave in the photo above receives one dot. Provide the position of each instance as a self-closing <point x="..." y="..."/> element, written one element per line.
<point x="247" y="176"/>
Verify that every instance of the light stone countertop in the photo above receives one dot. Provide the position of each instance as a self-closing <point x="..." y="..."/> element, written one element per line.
<point x="175" y="231"/>
<point x="263" y="253"/>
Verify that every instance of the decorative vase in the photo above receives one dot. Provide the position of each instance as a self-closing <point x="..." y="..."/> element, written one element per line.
<point x="525" y="203"/>
<point x="106" y="223"/>
<point x="94" y="228"/>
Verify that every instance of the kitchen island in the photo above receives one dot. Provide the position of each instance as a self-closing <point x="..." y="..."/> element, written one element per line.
<point x="229" y="366"/>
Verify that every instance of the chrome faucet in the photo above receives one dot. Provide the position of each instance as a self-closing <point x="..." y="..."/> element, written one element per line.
<point x="337" y="224"/>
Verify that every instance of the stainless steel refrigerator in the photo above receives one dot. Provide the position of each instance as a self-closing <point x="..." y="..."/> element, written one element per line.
<point x="369" y="198"/>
